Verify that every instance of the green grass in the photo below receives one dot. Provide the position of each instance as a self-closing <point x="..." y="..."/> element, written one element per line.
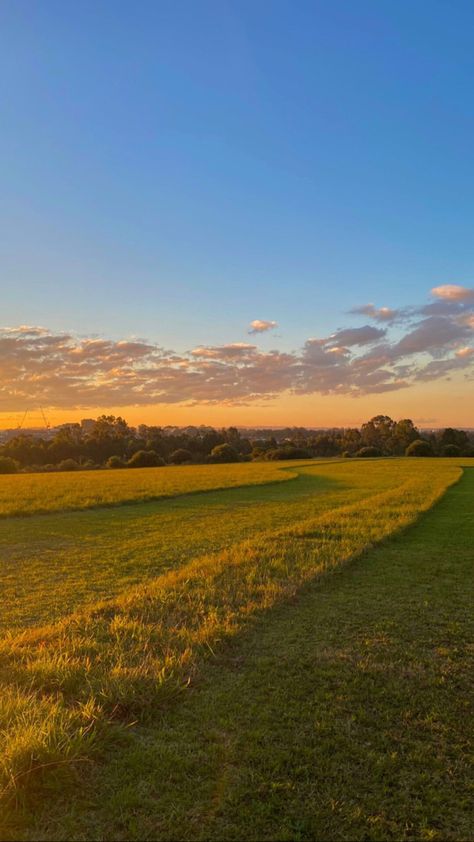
<point x="52" y="564"/>
<point x="347" y="714"/>
<point x="251" y="692"/>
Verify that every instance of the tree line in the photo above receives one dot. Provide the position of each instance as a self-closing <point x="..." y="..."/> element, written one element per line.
<point x="111" y="443"/>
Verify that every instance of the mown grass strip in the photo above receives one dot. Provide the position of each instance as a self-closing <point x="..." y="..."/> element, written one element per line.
<point x="69" y="690"/>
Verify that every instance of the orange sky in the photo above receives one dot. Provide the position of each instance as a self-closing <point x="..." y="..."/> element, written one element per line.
<point x="445" y="403"/>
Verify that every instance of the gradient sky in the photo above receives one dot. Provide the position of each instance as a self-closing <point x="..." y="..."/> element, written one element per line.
<point x="173" y="171"/>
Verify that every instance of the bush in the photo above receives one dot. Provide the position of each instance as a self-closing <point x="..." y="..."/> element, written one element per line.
<point x="68" y="465"/>
<point x="346" y="454"/>
<point x="223" y="453"/>
<point x="419" y="447"/>
<point x="180" y="456"/>
<point x="115" y="462"/>
<point x="450" y="450"/>
<point x="368" y="451"/>
<point x="288" y="452"/>
<point x="145" y="459"/>
<point x="8" y="465"/>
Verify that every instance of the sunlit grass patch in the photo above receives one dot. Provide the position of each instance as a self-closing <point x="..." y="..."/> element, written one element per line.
<point x="26" y="494"/>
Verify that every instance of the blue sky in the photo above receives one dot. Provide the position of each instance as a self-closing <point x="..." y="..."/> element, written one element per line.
<point x="174" y="170"/>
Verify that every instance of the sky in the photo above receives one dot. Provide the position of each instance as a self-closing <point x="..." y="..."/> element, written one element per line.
<point x="254" y="213"/>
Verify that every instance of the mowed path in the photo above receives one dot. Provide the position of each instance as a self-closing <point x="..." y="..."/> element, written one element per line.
<point x="51" y="564"/>
<point x="346" y="714"/>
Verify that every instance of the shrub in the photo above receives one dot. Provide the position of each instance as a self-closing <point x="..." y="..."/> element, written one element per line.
<point x="180" y="456"/>
<point x="450" y="450"/>
<point x="223" y="453"/>
<point x="8" y="465"/>
<point x="346" y="454"/>
<point x="115" y="462"/>
<point x="145" y="459"/>
<point x="288" y="452"/>
<point x="419" y="447"/>
<point x="68" y="465"/>
<point x="368" y="451"/>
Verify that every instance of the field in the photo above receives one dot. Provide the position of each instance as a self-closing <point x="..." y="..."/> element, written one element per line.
<point x="255" y="651"/>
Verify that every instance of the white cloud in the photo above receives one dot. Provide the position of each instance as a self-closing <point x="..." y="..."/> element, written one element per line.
<point x="453" y="292"/>
<point x="261" y="326"/>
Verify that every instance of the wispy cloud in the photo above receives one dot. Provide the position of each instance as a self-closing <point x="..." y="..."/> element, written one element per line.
<point x="62" y="370"/>
<point x="379" y="314"/>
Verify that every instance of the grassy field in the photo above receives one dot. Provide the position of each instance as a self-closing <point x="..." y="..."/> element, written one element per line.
<point x="52" y="564"/>
<point x="239" y="679"/>
<point x="26" y="494"/>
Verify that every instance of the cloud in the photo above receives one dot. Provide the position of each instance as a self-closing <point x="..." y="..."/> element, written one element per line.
<point x="39" y="367"/>
<point x="432" y="334"/>
<point x="261" y="326"/>
<point x="217" y="352"/>
<point x="453" y="292"/>
<point x="357" y="336"/>
<point x="379" y="314"/>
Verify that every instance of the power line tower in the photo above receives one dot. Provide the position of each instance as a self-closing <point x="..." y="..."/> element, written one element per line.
<point x="43" y="415"/>
<point x="46" y="422"/>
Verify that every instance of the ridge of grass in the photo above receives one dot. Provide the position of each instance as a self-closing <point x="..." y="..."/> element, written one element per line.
<point x="70" y="691"/>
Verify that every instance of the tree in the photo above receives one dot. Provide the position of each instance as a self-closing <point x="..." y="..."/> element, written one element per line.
<point x="115" y="462"/>
<point x="223" y="453"/>
<point x="8" y="465"/>
<point x="324" y="445"/>
<point x="378" y="432"/>
<point x="288" y="452"/>
<point x="403" y="434"/>
<point x="180" y="456"/>
<point x="458" y="438"/>
<point x="450" y="450"/>
<point x="366" y="452"/>
<point x="419" y="447"/>
<point x="145" y="459"/>
<point x="68" y="465"/>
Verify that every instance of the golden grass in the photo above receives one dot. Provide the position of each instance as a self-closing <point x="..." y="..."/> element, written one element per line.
<point x="51" y="565"/>
<point x="26" y="494"/>
<point x="69" y="688"/>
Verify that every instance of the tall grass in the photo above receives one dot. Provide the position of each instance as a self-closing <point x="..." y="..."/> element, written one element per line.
<point x="70" y="689"/>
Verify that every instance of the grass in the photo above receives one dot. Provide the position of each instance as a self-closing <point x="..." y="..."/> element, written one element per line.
<point x="28" y="494"/>
<point x="53" y="564"/>
<point x="71" y="691"/>
<point x="344" y="714"/>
